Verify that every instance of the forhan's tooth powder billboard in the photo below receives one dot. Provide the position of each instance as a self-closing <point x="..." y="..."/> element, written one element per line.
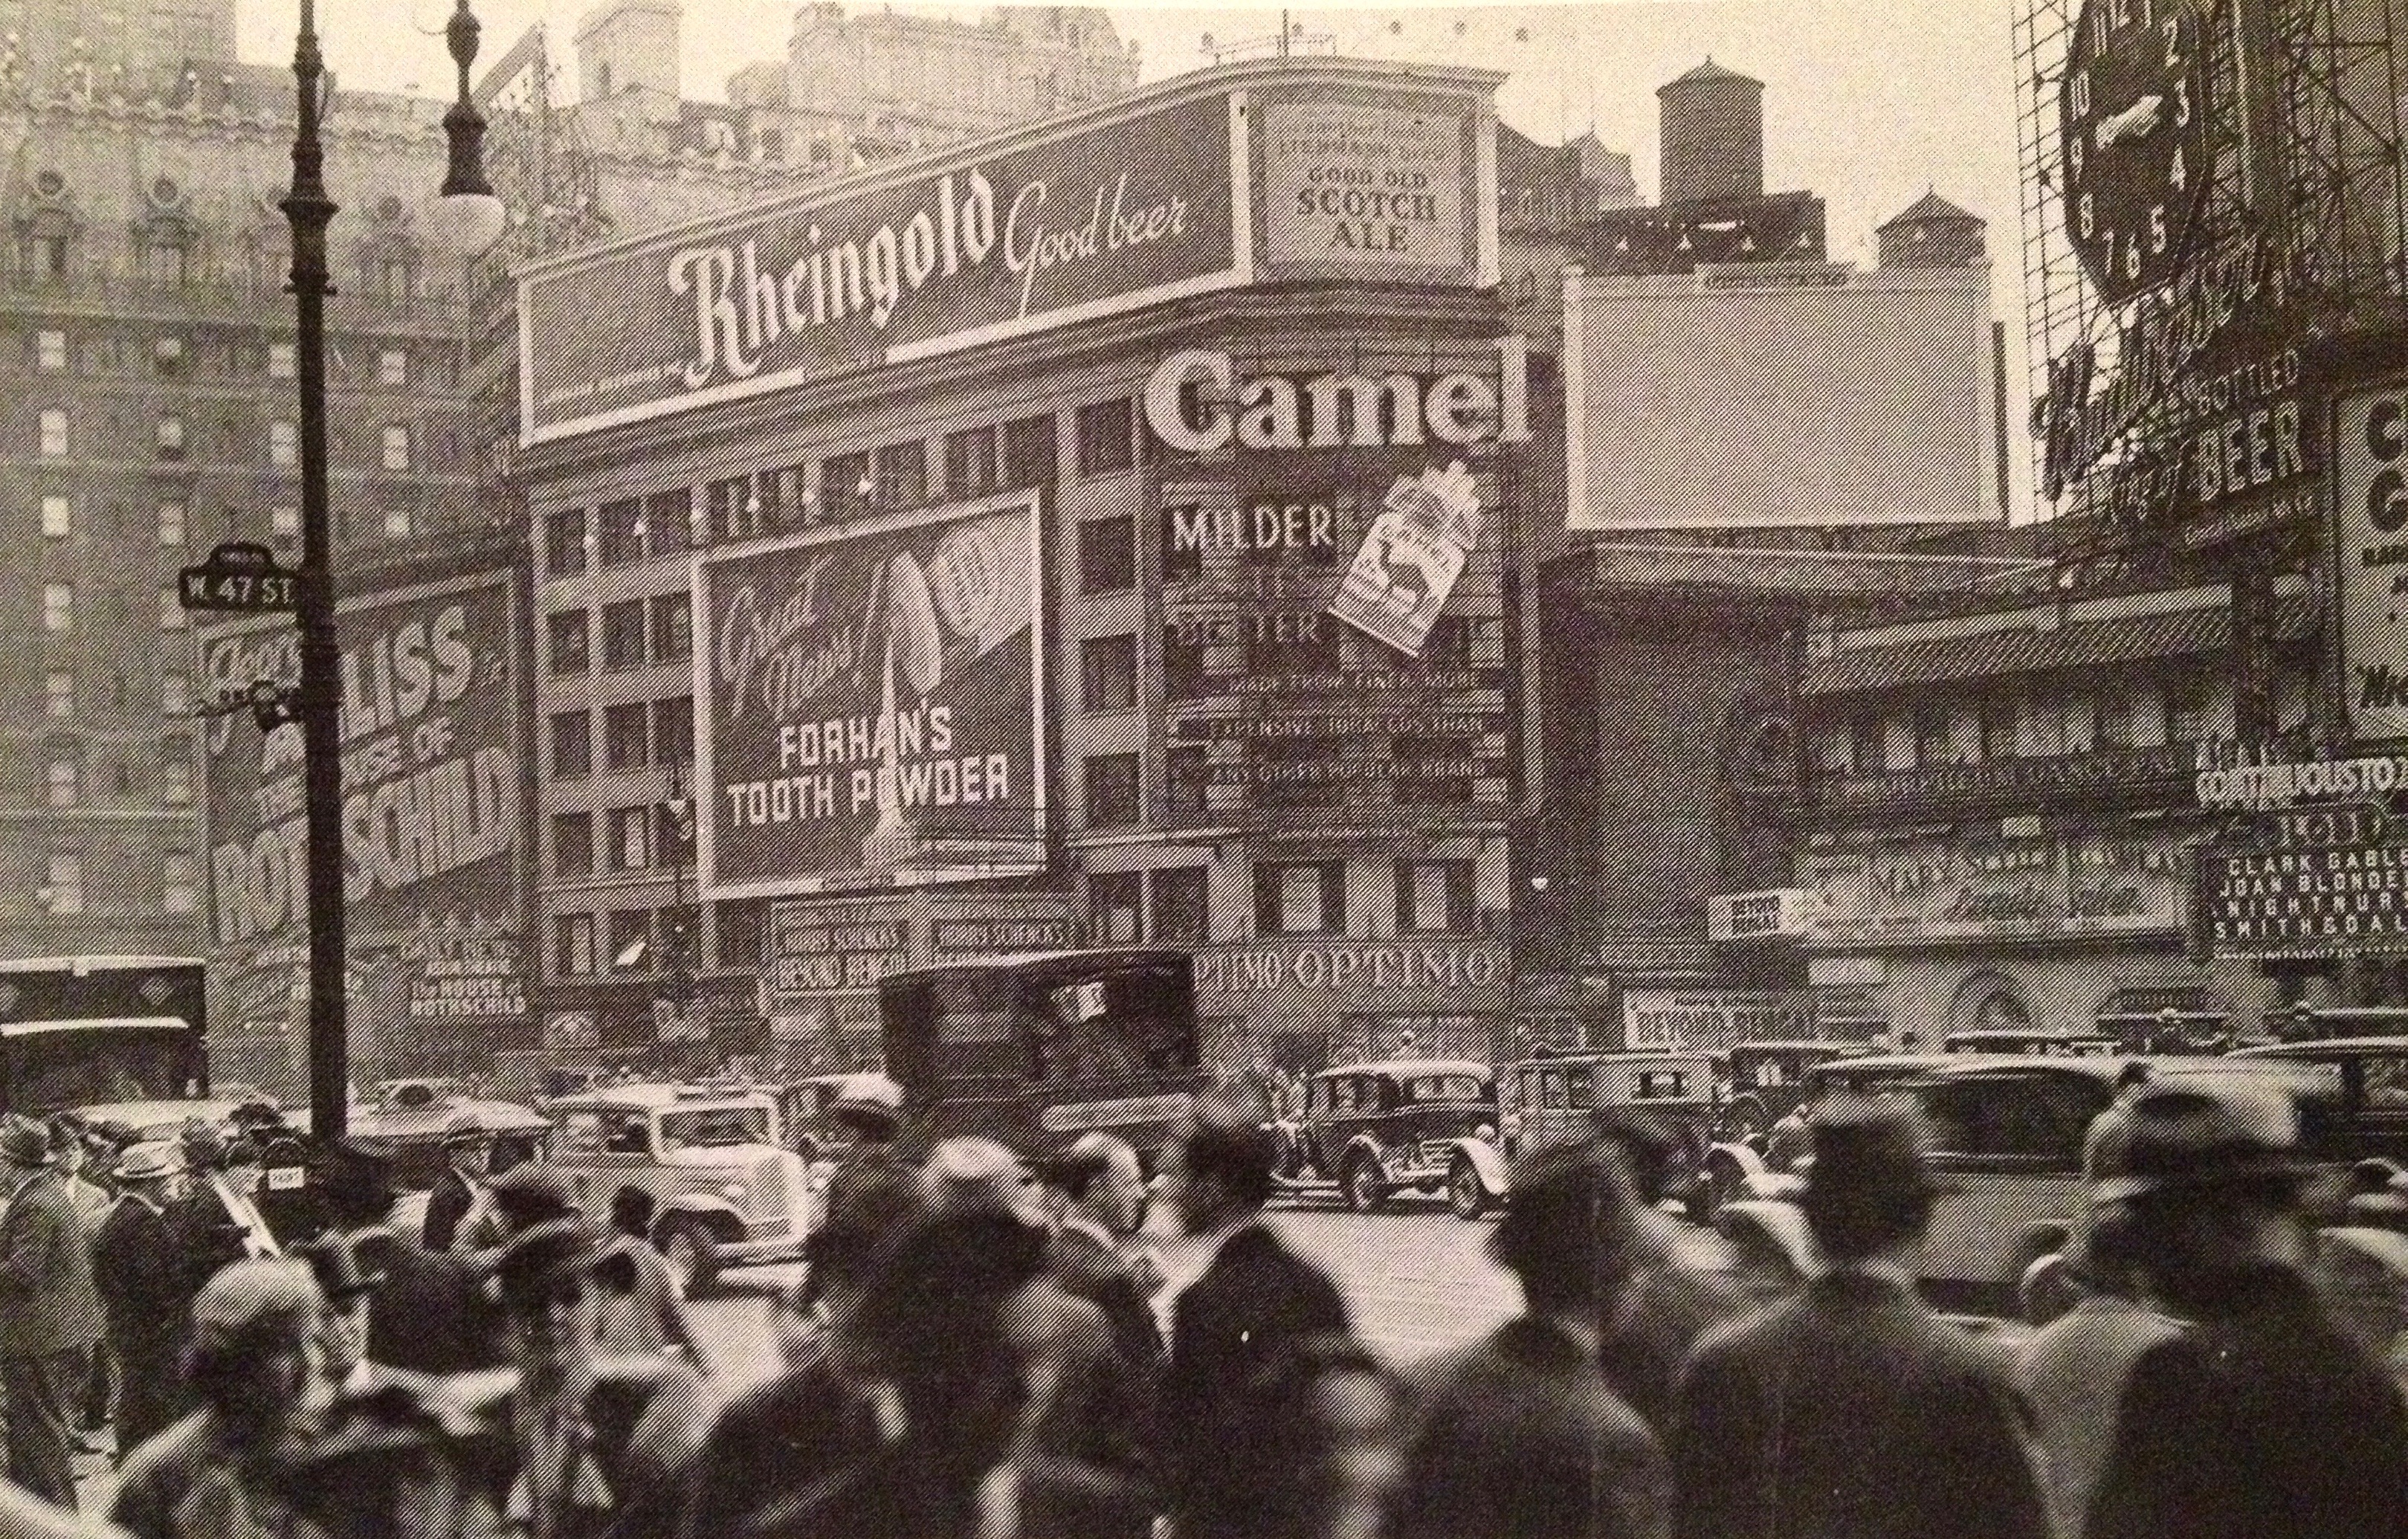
<point x="874" y="704"/>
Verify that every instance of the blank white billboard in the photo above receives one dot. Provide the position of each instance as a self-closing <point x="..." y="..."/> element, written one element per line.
<point x="1779" y="396"/>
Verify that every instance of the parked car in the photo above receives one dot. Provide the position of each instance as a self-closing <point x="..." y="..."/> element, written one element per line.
<point x="1424" y="1125"/>
<point x="1570" y="1098"/>
<point x="1767" y="1081"/>
<point x="1751" y="1167"/>
<point x="728" y="1191"/>
<point x="2013" y="1039"/>
<point x="2368" y="1076"/>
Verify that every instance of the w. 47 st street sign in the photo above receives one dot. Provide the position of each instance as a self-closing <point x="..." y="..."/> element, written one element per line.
<point x="243" y="577"/>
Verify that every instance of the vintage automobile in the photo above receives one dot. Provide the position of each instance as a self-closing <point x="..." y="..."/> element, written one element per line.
<point x="728" y="1191"/>
<point x="1424" y="1125"/>
<point x="1768" y="1080"/>
<point x="1753" y="1168"/>
<point x="2370" y="1076"/>
<point x="2013" y="1039"/>
<point x="1573" y="1097"/>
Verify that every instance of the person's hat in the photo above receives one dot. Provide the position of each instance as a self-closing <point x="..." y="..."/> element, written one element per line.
<point x="465" y="1128"/>
<point x="2199" y="1129"/>
<point x="242" y="1151"/>
<point x="543" y="1254"/>
<point x="335" y="1265"/>
<point x="249" y="1296"/>
<point x="25" y="1144"/>
<point x="1573" y="1208"/>
<point x="204" y="1146"/>
<point x="1866" y="1151"/>
<point x="529" y="1193"/>
<point x="355" y="1179"/>
<point x="970" y="1173"/>
<point x="152" y="1162"/>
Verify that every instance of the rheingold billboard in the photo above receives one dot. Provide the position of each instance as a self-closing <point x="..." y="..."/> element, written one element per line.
<point x="961" y="250"/>
<point x="434" y="803"/>
<point x="874" y="704"/>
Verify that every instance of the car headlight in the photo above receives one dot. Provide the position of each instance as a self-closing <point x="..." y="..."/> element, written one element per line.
<point x="732" y="1191"/>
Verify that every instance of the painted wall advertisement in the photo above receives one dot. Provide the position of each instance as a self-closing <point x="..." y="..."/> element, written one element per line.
<point x="874" y="705"/>
<point x="1356" y="182"/>
<point x="2370" y="555"/>
<point x="1713" y="1019"/>
<point x="434" y="812"/>
<point x="922" y="262"/>
<point x="2043" y="888"/>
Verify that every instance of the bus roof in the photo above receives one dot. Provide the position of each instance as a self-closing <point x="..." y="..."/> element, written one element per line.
<point x="95" y="1022"/>
<point x="97" y="962"/>
<point x="1037" y="962"/>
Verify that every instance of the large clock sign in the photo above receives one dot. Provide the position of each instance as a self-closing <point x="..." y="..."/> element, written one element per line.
<point x="2136" y="146"/>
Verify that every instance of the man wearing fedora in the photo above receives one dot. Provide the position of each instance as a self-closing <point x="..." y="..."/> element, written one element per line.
<point x="460" y="1190"/>
<point x="140" y="1277"/>
<point x="50" y="1314"/>
<point x="1854" y="1409"/>
<point x="2263" y="1419"/>
<point x="429" y="1314"/>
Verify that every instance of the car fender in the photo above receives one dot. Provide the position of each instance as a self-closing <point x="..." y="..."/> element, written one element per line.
<point x="1489" y="1160"/>
<point x="1364" y="1143"/>
<point x="1746" y="1163"/>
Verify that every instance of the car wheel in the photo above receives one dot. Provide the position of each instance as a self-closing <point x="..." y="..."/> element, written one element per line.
<point x="1466" y="1195"/>
<point x="693" y="1254"/>
<point x="1363" y="1187"/>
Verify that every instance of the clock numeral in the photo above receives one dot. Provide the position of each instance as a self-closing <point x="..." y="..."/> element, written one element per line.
<point x="2133" y="257"/>
<point x="2182" y="103"/>
<point x="2073" y="158"/>
<point x="2087" y="215"/>
<point x="2173" y="31"/>
<point x="2159" y="236"/>
<point x="2178" y="173"/>
<point x="2078" y="89"/>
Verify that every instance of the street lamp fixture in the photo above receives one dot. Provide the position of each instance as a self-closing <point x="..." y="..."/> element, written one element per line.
<point x="465" y="218"/>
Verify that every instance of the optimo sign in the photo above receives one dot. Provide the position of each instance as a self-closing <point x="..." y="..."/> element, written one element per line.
<point x="434" y="808"/>
<point x="874" y="704"/>
<point x="1032" y="233"/>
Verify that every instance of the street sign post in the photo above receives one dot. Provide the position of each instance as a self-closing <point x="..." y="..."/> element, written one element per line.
<point x="243" y="577"/>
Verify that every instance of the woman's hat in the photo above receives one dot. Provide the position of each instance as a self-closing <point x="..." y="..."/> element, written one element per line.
<point x="25" y="1144"/>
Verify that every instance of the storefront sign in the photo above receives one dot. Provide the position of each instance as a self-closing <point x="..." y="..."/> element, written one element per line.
<point x="1411" y="558"/>
<point x="434" y="814"/>
<point x="873" y="713"/>
<point x="2123" y="769"/>
<point x="919" y="262"/>
<point x="1759" y="916"/>
<point x="1360" y="184"/>
<point x="1196" y="403"/>
<point x="1712" y="1020"/>
<point x="814" y="950"/>
<point x="2371" y="557"/>
<point x="2281" y="783"/>
<point x="2043" y="889"/>
<point x="2306" y="902"/>
<point x="1350" y="968"/>
<point x="1263" y="528"/>
<point x="1347" y="725"/>
<point x="964" y="939"/>
<point x="1260" y="773"/>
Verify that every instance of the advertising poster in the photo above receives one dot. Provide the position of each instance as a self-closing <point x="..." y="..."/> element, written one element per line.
<point x="2370" y="555"/>
<point x="874" y="705"/>
<point x="434" y="814"/>
<point x="1364" y="184"/>
<point x="1038" y="233"/>
<point x="1410" y="560"/>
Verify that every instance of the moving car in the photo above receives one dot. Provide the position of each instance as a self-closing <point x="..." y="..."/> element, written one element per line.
<point x="1768" y="1080"/>
<point x="1750" y="1168"/>
<point x="1424" y="1125"/>
<point x="1573" y="1097"/>
<point x="727" y="1190"/>
<point x="2013" y="1040"/>
<point x="2368" y="1077"/>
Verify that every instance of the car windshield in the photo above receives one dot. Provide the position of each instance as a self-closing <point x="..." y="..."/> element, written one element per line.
<point x="1449" y="1087"/>
<point x="714" y="1125"/>
<point x="55" y="1070"/>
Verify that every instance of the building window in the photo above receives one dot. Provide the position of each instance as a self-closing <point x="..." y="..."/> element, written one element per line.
<point x="166" y="261"/>
<point x="672" y="617"/>
<point x="284" y="522"/>
<point x="58" y="608"/>
<point x="1434" y="897"/>
<point x="570" y="645"/>
<point x="627" y="736"/>
<point x="283" y="362"/>
<point x="396" y="278"/>
<point x="1028" y="457"/>
<point x="631" y="938"/>
<point x="845" y="484"/>
<point x="622" y="532"/>
<point x="1187" y="772"/>
<point x="564" y="542"/>
<point x="284" y="445"/>
<point x="171" y="437"/>
<point x="171" y="523"/>
<point x="58" y="694"/>
<point x="396" y="523"/>
<point x="1182" y="664"/>
<point x="1300" y="898"/>
<point x="179" y="886"/>
<point x="2002" y="734"/>
<point x="2189" y="711"/>
<point x="973" y="469"/>
<point x="58" y="520"/>
<point x="1108" y="554"/>
<point x="1934" y="736"/>
<point x="175" y="696"/>
<point x="572" y="843"/>
<point x="55" y="433"/>
<point x="2112" y="723"/>
<point x="1111" y="790"/>
<point x="397" y="447"/>
<point x="669" y="522"/>
<point x="1115" y="907"/>
<point x="1181" y="906"/>
<point x="903" y="475"/>
<point x="631" y="838"/>
<point x="64" y="893"/>
<point x="572" y="745"/>
<point x="622" y="635"/>
<point x="1106" y="437"/>
<point x="572" y="945"/>
<point x="50" y="351"/>
<point x="176" y="776"/>
<point x="171" y="611"/>
<point x="673" y="730"/>
<point x="1108" y="666"/>
<point x="393" y="367"/>
<point x="1869" y="746"/>
<point x="64" y="783"/>
<point x="47" y="255"/>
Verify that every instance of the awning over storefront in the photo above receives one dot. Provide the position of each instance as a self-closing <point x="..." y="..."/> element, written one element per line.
<point x="2003" y="653"/>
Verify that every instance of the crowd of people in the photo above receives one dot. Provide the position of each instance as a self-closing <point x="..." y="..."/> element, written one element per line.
<point x="984" y="1347"/>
